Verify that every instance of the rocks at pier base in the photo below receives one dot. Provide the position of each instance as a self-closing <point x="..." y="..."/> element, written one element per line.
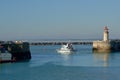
<point x="101" y="51"/>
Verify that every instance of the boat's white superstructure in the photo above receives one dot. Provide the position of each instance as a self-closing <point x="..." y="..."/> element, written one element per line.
<point x="68" y="48"/>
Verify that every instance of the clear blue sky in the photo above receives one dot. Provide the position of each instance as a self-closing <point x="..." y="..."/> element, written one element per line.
<point x="58" y="19"/>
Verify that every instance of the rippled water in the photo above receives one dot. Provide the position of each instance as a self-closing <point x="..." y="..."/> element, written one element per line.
<point x="47" y="64"/>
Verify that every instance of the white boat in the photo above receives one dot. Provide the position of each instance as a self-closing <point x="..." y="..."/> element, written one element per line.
<point x="68" y="48"/>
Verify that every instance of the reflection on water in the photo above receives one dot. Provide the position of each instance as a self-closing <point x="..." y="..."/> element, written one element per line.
<point x="101" y="58"/>
<point x="107" y="58"/>
<point x="84" y="57"/>
<point x="47" y="64"/>
<point x="66" y="56"/>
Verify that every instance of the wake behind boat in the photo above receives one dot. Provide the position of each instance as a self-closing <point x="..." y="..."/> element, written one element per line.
<point x="68" y="48"/>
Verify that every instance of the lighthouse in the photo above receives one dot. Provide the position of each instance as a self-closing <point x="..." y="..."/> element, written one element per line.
<point x="106" y="34"/>
<point x="106" y="45"/>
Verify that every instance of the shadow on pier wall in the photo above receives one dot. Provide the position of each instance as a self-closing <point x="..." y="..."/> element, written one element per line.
<point x="105" y="51"/>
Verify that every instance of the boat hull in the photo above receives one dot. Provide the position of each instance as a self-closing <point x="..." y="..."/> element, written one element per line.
<point x="66" y="51"/>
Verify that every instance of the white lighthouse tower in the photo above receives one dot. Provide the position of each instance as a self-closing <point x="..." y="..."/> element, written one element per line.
<point x="106" y="34"/>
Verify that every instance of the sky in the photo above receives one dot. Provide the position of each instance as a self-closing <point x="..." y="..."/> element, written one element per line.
<point x="58" y="19"/>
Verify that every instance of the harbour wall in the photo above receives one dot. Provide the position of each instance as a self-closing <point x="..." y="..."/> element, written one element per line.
<point x="19" y="50"/>
<point x="111" y="45"/>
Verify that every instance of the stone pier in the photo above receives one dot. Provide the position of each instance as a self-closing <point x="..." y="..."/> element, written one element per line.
<point x="106" y="44"/>
<point x="20" y="50"/>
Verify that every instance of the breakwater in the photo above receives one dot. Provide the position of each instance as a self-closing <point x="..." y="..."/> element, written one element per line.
<point x="106" y="44"/>
<point x="18" y="51"/>
<point x="111" y="45"/>
<point x="61" y="42"/>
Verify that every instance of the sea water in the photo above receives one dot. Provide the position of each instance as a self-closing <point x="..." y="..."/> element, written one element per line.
<point x="47" y="64"/>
